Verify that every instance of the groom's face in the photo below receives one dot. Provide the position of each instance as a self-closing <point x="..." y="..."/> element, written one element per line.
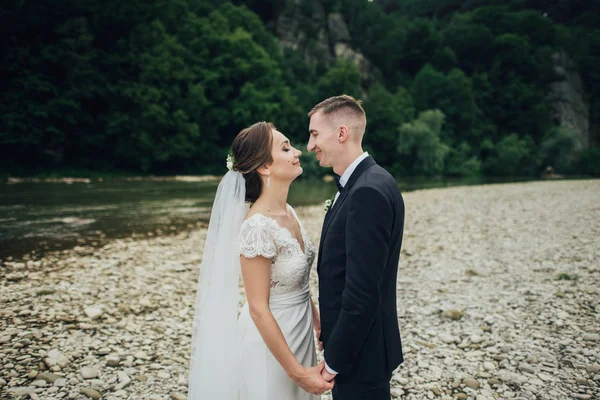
<point x="323" y="139"/>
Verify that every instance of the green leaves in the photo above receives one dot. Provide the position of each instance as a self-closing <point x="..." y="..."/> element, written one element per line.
<point x="163" y="87"/>
<point x="559" y="149"/>
<point x="509" y="157"/>
<point x="342" y="78"/>
<point x="419" y="141"/>
<point x="453" y="95"/>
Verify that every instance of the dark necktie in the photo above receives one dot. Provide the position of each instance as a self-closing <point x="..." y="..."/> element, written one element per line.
<point x="338" y="184"/>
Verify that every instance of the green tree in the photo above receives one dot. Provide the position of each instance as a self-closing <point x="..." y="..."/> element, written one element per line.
<point x="511" y="156"/>
<point x="419" y="144"/>
<point x="589" y="162"/>
<point x="470" y="42"/>
<point x="462" y="161"/>
<point x="453" y="95"/>
<point x="560" y="149"/>
<point x="385" y="113"/>
<point x="342" y="78"/>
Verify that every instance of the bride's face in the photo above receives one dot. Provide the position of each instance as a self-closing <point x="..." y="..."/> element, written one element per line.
<point x="286" y="159"/>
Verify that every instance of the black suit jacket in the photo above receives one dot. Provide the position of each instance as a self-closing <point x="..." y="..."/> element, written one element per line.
<point x="358" y="267"/>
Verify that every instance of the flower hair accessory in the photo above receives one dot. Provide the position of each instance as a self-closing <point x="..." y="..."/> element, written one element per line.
<point x="230" y="161"/>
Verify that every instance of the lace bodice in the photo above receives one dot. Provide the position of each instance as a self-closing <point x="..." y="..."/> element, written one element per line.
<point x="290" y="266"/>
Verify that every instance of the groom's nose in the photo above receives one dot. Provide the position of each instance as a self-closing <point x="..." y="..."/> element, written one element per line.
<point x="310" y="146"/>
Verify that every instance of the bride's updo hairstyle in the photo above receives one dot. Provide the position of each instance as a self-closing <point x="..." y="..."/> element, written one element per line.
<point x="251" y="149"/>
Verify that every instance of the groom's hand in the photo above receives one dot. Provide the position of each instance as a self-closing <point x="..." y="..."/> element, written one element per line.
<point x="311" y="380"/>
<point x="326" y="375"/>
<point x="317" y="326"/>
<point x="318" y="333"/>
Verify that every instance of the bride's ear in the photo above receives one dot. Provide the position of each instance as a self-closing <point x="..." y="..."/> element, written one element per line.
<point x="265" y="170"/>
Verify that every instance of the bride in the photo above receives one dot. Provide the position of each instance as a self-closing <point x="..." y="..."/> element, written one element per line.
<point x="269" y="351"/>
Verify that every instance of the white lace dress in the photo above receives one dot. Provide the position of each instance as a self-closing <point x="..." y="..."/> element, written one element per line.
<point x="261" y="375"/>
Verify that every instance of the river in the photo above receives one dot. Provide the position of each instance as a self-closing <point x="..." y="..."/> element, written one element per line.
<point x="36" y="217"/>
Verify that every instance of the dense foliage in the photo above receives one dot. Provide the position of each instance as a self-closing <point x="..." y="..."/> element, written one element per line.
<point x="456" y="87"/>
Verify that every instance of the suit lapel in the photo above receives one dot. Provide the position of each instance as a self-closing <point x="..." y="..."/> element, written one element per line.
<point x="360" y="169"/>
<point x="334" y="209"/>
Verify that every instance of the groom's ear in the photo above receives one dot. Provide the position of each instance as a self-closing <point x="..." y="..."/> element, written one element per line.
<point x="343" y="134"/>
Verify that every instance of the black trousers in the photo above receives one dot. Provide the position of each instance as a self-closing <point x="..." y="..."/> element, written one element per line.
<point x="374" y="390"/>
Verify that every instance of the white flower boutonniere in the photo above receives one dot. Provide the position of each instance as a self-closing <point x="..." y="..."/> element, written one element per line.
<point x="328" y="204"/>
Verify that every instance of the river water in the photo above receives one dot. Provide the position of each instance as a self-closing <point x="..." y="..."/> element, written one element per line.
<point x="38" y="217"/>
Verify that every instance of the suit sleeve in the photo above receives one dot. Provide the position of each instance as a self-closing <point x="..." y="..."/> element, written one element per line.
<point x="368" y="233"/>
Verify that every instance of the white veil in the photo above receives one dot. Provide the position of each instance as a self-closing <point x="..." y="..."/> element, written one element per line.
<point x="215" y="346"/>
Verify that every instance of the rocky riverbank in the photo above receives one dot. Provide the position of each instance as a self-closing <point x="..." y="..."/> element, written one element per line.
<point x="497" y="296"/>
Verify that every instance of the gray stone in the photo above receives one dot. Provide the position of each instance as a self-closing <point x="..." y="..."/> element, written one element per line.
<point x="591" y="337"/>
<point x="45" y="291"/>
<point x="91" y="393"/>
<point x="48" y="377"/>
<point x="593" y="368"/>
<point x="545" y="377"/>
<point x="113" y="361"/>
<point x="94" y="312"/>
<point x="89" y="372"/>
<point x="452" y="314"/>
<point x="526" y="368"/>
<point x="472" y="383"/>
<point x="60" y="382"/>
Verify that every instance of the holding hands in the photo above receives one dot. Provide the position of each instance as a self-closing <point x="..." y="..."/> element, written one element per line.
<point x="311" y="379"/>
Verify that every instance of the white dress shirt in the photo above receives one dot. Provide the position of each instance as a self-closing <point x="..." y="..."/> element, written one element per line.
<point x="343" y="180"/>
<point x="348" y="173"/>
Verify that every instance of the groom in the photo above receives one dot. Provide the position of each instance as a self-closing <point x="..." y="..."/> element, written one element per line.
<point x="358" y="256"/>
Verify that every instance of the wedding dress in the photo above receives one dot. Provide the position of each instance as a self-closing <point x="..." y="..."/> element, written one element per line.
<point x="260" y="375"/>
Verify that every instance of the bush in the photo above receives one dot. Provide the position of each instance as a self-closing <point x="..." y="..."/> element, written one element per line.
<point x="419" y="142"/>
<point x="462" y="162"/>
<point x="589" y="162"/>
<point x="511" y="156"/>
<point x="559" y="149"/>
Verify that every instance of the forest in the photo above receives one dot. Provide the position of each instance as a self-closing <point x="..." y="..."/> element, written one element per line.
<point x="451" y="88"/>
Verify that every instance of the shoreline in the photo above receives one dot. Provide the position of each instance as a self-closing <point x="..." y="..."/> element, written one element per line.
<point x="485" y="180"/>
<point x="497" y="298"/>
<point x="70" y="180"/>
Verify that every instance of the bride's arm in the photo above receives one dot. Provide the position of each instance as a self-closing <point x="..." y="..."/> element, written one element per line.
<point x="256" y="275"/>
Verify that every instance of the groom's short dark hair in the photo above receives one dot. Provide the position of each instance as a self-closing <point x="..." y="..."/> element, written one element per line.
<point x="339" y="103"/>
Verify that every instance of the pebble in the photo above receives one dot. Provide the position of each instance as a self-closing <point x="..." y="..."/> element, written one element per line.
<point x="591" y="337"/>
<point x="526" y="368"/>
<point x="89" y="372"/>
<point x="472" y="383"/>
<point x="593" y="368"/>
<point x="91" y="393"/>
<point x="123" y="312"/>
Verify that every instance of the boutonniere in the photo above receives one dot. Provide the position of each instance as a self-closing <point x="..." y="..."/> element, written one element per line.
<point x="328" y="204"/>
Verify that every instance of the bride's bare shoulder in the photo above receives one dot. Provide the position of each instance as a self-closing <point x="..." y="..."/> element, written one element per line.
<point x="256" y="209"/>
